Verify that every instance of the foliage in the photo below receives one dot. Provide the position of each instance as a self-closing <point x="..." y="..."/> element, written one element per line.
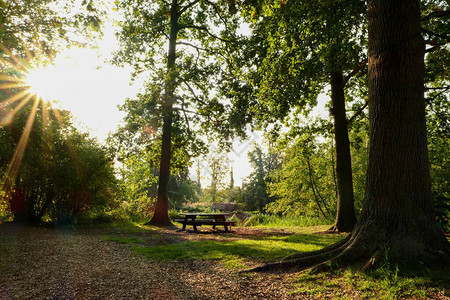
<point x="255" y="194"/>
<point x="437" y="86"/>
<point x="438" y="129"/>
<point x="304" y="185"/>
<point x="138" y="182"/>
<point x="202" y="29"/>
<point x="287" y="59"/>
<point x="43" y="26"/>
<point x="274" y="221"/>
<point x="182" y="190"/>
<point x="215" y="167"/>
<point x="63" y="173"/>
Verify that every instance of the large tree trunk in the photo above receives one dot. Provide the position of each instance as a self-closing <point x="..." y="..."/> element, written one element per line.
<point x="161" y="216"/>
<point x="345" y="217"/>
<point x="397" y="219"/>
<point x="398" y="212"/>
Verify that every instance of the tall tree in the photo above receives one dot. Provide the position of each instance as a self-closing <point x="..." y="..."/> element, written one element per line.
<point x="217" y="168"/>
<point x="299" y="47"/>
<point x="397" y="219"/>
<point x="255" y="194"/>
<point x="194" y="30"/>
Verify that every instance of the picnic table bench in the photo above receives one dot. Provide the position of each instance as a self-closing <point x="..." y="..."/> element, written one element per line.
<point x="217" y="219"/>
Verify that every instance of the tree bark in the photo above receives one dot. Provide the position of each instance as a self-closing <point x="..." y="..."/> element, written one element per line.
<point x="345" y="216"/>
<point x="397" y="221"/>
<point x="397" y="212"/>
<point x="161" y="216"/>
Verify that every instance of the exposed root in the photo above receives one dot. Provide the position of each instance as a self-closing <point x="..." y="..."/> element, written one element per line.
<point x="305" y="260"/>
<point x="318" y="252"/>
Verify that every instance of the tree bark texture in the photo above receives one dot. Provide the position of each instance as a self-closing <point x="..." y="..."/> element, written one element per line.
<point x="345" y="217"/>
<point x="161" y="216"/>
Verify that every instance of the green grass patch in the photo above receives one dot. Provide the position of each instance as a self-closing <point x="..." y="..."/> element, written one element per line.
<point x="234" y="254"/>
<point x="376" y="284"/>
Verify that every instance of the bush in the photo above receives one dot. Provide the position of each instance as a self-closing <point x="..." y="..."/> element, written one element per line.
<point x="62" y="173"/>
<point x="174" y="214"/>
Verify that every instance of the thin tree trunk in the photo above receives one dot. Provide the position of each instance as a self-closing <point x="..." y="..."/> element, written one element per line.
<point x="345" y="216"/>
<point x="161" y="216"/>
<point x="312" y="186"/>
<point x="333" y="164"/>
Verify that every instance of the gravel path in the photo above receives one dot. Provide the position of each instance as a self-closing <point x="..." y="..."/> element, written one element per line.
<point x="43" y="263"/>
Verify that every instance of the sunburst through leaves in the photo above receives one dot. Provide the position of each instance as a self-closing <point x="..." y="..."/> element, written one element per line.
<point x="22" y="81"/>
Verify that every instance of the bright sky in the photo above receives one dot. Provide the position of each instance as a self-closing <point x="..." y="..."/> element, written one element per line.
<point x="85" y="83"/>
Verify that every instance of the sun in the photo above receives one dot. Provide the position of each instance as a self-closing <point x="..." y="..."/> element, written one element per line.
<point x="46" y="82"/>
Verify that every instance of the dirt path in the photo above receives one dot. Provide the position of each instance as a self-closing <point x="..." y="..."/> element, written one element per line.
<point x="42" y="263"/>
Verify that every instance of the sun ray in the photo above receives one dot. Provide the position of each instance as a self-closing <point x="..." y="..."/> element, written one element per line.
<point x="29" y="79"/>
<point x="19" y="64"/>
<point x="9" y="116"/>
<point x="9" y="78"/>
<point x="12" y="86"/>
<point x="15" y="98"/>
<point x="16" y="160"/>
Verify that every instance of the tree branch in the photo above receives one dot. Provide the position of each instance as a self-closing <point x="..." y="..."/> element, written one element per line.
<point x="436" y="34"/>
<point x="204" y="28"/>
<point x="435" y="14"/>
<point x="189" y="5"/>
<point x="358" y="68"/>
<point x="357" y="113"/>
<point x="218" y="13"/>
<point x="193" y="93"/>
<point x="193" y="46"/>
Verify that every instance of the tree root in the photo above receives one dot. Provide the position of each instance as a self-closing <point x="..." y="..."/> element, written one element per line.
<point x="318" y="252"/>
<point x="349" y="252"/>
<point x="305" y="260"/>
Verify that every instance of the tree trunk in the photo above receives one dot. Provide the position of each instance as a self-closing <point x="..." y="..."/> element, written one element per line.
<point x="397" y="220"/>
<point x="397" y="212"/>
<point x="345" y="217"/>
<point x="161" y="216"/>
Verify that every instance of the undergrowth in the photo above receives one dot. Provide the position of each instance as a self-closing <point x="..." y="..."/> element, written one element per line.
<point x="273" y="221"/>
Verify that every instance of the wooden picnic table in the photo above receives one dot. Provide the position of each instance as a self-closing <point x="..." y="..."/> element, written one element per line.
<point x="217" y="219"/>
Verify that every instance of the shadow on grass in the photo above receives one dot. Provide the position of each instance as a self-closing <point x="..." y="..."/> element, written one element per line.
<point x="258" y="249"/>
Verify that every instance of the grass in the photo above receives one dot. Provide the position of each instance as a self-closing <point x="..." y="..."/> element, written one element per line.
<point x="273" y="221"/>
<point x="239" y="253"/>
<point x="375" y="284"/>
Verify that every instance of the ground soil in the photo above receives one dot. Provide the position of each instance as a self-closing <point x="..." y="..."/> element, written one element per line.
<point x="55" y="263"/>
<point x="49" y="263"/>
